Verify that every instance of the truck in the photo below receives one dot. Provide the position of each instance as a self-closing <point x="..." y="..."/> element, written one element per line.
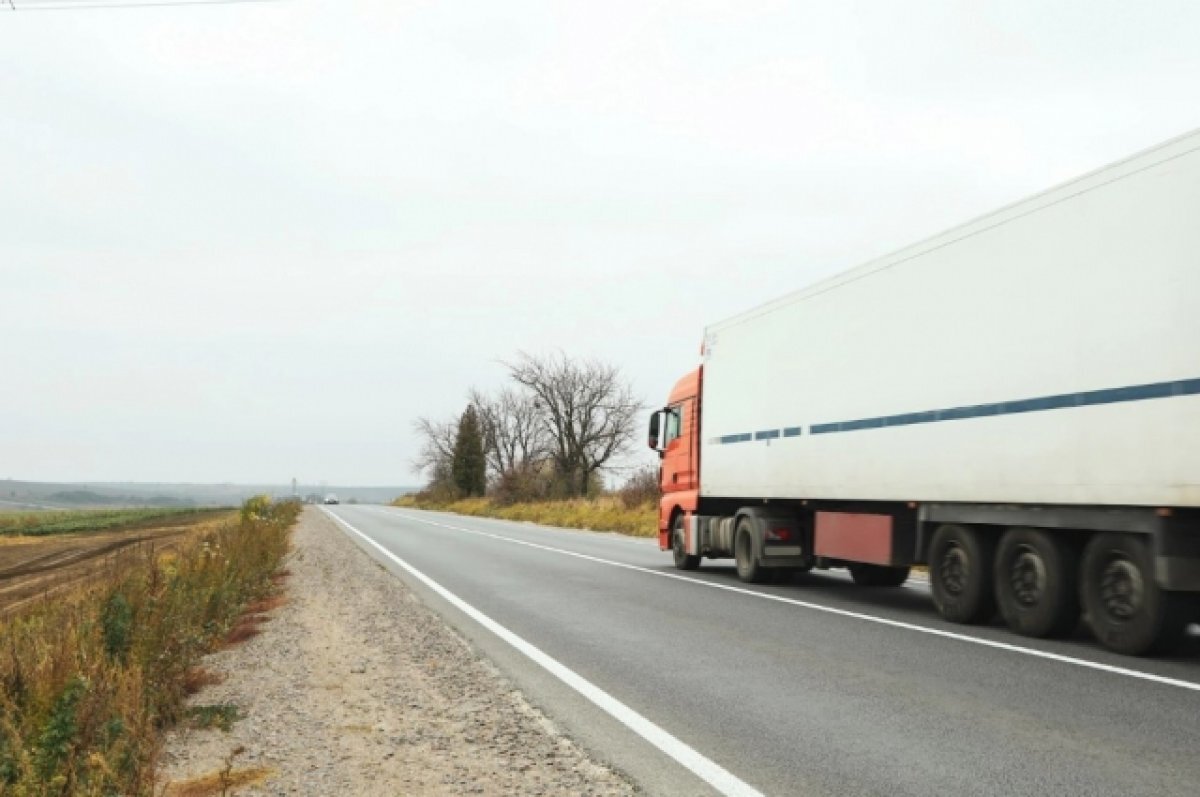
<point x="1013" y="404"/>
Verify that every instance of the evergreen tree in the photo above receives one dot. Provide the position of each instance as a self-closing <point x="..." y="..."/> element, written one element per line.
<point x="469" y="466"/>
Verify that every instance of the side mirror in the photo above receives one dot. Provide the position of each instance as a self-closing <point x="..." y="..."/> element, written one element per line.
<point x="655" y="427"/>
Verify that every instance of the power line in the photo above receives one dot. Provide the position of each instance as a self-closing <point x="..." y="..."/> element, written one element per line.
<point x="82" y="5"/>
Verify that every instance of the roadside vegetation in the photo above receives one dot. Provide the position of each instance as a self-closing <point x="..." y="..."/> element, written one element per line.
<point x="600" y="513"/>
<point x="81" y="521"/>
<point x="541" y="449"/>
<point x="89" y="681"/>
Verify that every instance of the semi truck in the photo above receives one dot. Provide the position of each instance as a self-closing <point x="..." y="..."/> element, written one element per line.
<point x="1014" y="403"/>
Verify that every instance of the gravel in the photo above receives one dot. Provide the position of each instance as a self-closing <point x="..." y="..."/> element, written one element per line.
<point x="354" y="687"/>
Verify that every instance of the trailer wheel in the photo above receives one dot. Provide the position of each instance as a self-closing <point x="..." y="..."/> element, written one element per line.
<point x="748" y="567"/>
<point x="960" y="573"/>
<point x="1127" y="610"/>
<point x="683" y="561"/>
<point x="878" y="575"/>
<point x="1035" y="576"/>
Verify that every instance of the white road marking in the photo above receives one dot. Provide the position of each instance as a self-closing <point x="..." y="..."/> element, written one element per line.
<point x="709" y="771"/>
<point x="870" y="618"/>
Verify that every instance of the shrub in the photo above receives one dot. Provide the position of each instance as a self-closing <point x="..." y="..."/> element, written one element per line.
<point x="256" y="508"/>
<point x="641" y="488"/>
<point x="116" y="620"/>
<point x="525" y="482"/>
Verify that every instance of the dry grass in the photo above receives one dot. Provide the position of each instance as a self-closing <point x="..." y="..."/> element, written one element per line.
<point x="196" y="678"/>
<point x="89" y="681"/>
<point x="267" y="604"/>
<point x="606" y="513"/>
<point x="222" y="782"/>
<point x="247" y="627"/>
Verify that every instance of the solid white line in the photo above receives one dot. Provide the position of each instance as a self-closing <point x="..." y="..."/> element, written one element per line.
<point x="870" y="618"/>
<point x="712" y="773"/>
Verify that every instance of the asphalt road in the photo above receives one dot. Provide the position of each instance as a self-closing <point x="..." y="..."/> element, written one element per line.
<point x="814" y="688"/>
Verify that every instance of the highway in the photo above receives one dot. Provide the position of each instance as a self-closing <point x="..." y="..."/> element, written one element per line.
<point x="694" y="683"/>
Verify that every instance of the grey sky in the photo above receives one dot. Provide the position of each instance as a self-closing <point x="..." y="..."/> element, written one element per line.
<point x="251" y="242"/>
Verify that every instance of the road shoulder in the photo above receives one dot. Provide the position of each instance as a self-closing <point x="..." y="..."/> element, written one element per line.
<point x="356" y="687"/>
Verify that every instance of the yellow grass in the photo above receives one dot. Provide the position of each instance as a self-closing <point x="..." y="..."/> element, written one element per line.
<point x="223" y="782"/>
<point x="605" y="513"/>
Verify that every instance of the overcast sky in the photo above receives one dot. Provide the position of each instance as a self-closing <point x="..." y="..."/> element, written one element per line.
<point x="251" y="242"/>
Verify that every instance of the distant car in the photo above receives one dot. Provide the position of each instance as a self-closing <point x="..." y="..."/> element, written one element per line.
<point x="331" y="499"/>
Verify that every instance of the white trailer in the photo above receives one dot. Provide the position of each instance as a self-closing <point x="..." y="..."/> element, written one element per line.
<point x="1015" y="402"/>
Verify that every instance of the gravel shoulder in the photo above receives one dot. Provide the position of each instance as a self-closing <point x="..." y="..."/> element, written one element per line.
<point x="355" y="687"/>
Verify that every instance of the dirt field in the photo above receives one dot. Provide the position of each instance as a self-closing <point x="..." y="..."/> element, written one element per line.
<point x="34" y="567"/>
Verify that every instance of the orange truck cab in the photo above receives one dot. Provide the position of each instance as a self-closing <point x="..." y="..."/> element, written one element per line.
<point x="677" y="436"/>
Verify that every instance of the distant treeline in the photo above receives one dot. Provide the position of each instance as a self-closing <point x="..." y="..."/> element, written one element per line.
<point x="89" y="498"/>
<point x="79" y="521"/>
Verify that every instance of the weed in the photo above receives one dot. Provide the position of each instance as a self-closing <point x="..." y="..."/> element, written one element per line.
<point x="57" y="737"/>
<point x="266" y="604"/>
<point x="256" y="508"/>
<point x="116" y="618"/>
<point x="222" y="782"/>
<point x="196" y="678"/>
<point x="218" y="715"/>
<point x="245" y="628"/>
<point x="227" y="770"/>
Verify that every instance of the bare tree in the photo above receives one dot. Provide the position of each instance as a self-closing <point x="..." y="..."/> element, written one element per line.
<point x="436" y="457"/>
<point x="587" y="409"/>
<point x="513" y="432"/>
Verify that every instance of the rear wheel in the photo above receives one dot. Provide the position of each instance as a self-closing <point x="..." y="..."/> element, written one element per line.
<point x="748" y="567"/>
<point x="683" y="561"/>
<point x="1127" y="610"/>
<point x="1035" y="576"/>
<point x="960" y="573"/>
<point x="878" y="575"/>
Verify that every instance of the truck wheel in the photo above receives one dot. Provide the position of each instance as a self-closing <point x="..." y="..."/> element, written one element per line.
<point x="1035" y="576"/>
<point x="878" y="575"/>
<point x="748" y="567"/>
<point x="683" y="561"/>
<point x="1127" y="610"/>
<point x="960" y="574"/>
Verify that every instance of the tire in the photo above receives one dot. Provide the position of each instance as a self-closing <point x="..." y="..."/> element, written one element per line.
<point x="1127" y="610"/>
<point x="1035" y="574"/>
<point x="683" y="561"/>
<point x="749" y="569"/>
<point x="878" y="575"/>
<point x="960" y="574"/>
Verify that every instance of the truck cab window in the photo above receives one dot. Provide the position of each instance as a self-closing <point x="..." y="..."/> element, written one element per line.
<point x="674" y="414"/>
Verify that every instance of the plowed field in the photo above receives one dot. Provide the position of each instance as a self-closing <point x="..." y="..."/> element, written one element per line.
<point x="35" y="567"/>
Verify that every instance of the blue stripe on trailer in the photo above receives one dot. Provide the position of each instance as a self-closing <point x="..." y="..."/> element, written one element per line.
<point x="1088" y="398"/>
